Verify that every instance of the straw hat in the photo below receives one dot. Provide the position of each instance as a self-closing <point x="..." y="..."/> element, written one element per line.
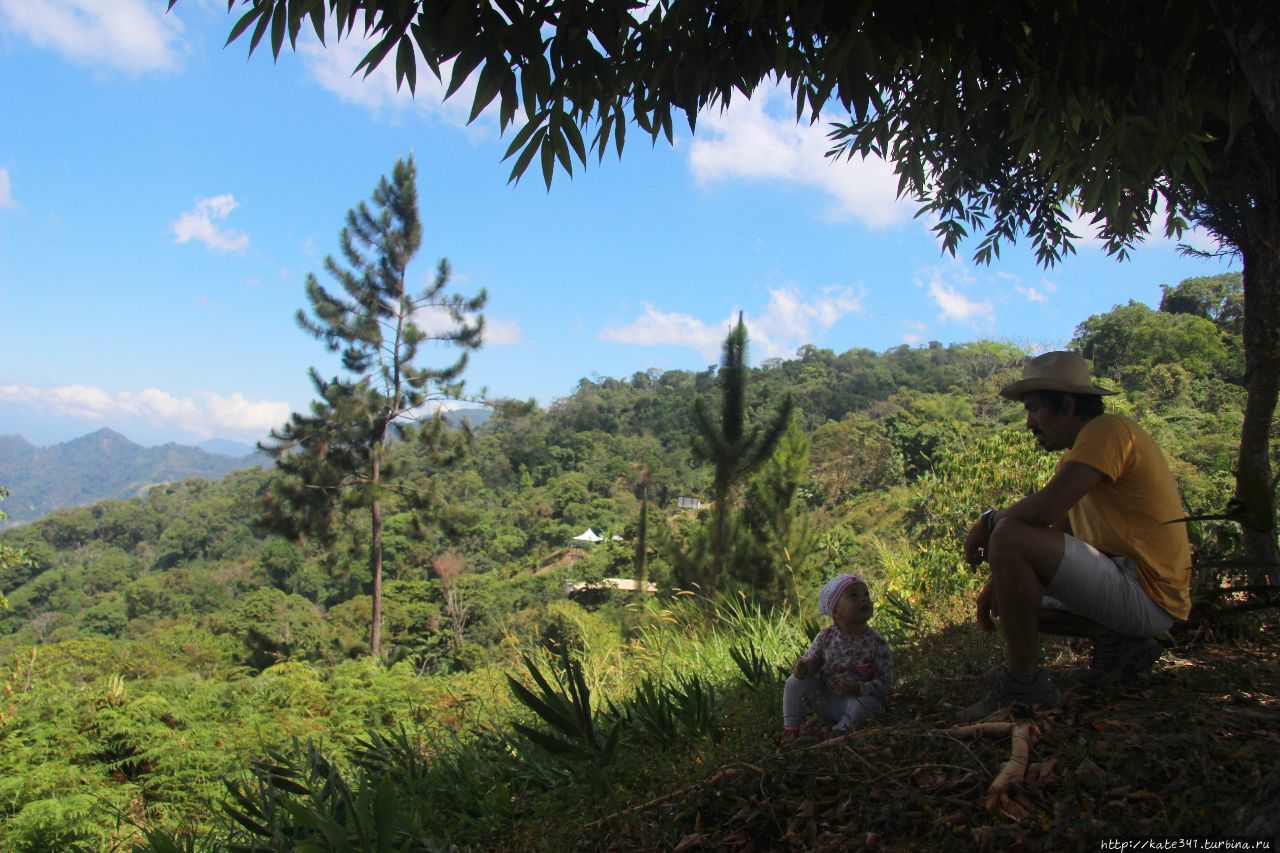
<point x="1054" y="371"/>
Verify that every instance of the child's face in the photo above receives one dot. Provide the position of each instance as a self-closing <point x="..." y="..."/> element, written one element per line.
<point x="854" y="607"/>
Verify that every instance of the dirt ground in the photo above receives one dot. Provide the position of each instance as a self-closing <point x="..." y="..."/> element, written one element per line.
<point x="1189" y="753"/>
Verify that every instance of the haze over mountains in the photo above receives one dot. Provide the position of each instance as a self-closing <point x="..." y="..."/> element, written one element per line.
<point x="103" y="465"/>
<point x="106" y="465"/>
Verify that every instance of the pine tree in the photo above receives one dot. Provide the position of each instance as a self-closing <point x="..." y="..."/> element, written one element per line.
<point x="732" y="449"/>
<point x="333" y="459"/>
<point x="642" y="536"/>
<point x="9" y="556"/>
<point x="779" y="542"/>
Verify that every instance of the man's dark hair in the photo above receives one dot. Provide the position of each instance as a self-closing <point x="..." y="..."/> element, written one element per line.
<point x="1088" y="406"/>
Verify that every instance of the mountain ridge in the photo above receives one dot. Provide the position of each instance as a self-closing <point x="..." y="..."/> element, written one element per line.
<point x="100" y="465"/>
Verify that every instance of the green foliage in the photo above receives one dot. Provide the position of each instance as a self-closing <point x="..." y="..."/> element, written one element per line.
<point x="1002" y="131"/>
<point x="1131" y="341"/>
<point x="923" y="427"/>
<point x="994" y="469"/>
<point x="567" y="709"/>
<point x="276" y="627"/>
<point x="334" y="457"/>
<point x="102" y="468"/>
<point x="732" y="449"/>
<point x="896" y="620"/>
<point x="777" y="540"/>
<point x="853" y="456"/>
<point x="154" y="646"/>
<point x="1219" y="298"/>
<point x="652" y="708"/>
<point x="9" y="556"/>
<point x="975" y="124"/>
<point x="757" y="671"/>
<point x="301" y="800"/>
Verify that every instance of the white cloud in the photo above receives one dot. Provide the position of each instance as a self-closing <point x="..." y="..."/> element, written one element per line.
<point x="6" y="192"/>
<point x="198" y="224"/>
<point x="787" y="322"/>
<point x="1039" y="294"/>
<point x="953" y="305"/>
<point x="659" y="328"/>
<point x="501" y="332"/>
<point x="331" y="68"/>
<point x="237" y="414"/>
<point x="760" y="139"/>
<point x="1195" y="237"/>
<point x="914" y="333"/>
<point x="203" y="415"/>
<point x="1200" y="240"/>
<point x="134" y="36"/>
<point x="497" y="332"/>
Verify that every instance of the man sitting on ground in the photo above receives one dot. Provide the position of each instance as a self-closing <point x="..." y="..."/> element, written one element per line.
<point x="1096" y="540"/>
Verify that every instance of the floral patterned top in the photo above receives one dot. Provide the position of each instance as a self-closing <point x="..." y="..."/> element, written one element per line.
<point x="864" y="658"/>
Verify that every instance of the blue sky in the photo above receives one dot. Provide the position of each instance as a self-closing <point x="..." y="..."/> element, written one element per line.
<point x="162" y="199"/>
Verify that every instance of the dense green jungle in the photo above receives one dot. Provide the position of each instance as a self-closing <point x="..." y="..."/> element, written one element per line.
<point x="177" y="674"/>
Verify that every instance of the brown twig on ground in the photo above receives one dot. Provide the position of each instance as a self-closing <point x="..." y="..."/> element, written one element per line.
<point x="1015" y="768"/>
<point x="715" y="778"/>
<point x="979" y="729"/>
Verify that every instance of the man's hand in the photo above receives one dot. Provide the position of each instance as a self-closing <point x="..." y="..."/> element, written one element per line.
<point x="804" y="668"/>
<point x="986" y="607"/>
<point x="975" y="543"/>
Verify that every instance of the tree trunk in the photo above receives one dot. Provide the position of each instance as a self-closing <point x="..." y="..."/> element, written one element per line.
<point x="642" y="545"/>
<point x="1242" y="207"/>
<point x="1255" y="40"/>
<point x="1255" y="496"/>
<point x="719" y="536"/>
<point x="375" y="562"/>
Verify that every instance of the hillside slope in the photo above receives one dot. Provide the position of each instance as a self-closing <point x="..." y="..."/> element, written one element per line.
<point x="99" y="466"/>
<point x="1188" y="751"/>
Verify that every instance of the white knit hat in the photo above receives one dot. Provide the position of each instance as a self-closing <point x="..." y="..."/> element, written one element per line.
<point x="833" y="589"/>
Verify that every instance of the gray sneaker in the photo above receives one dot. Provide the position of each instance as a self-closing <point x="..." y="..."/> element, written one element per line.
<point x="1106" y="652"/>
<point x="1006" y="690"/>
<point x="1117" y="658"/>
<point x="1137" y="654"/>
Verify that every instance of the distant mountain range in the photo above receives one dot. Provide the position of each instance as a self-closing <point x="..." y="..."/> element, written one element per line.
<point x="102" y="465"/>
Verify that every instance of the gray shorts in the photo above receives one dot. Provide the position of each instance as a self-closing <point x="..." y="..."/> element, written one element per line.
<point x="1105" y="590"/>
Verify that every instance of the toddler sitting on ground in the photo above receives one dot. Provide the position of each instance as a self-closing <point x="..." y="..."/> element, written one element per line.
<point x="845" y="675"/>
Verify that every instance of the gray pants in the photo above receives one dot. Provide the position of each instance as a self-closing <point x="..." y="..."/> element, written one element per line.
<point x="804" y="696"/>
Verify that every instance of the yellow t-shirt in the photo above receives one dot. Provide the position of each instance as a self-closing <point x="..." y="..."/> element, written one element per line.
<point x="1126" y="516"/>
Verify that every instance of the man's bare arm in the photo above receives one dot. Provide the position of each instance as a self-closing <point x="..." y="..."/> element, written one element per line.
<point x="1045" y="508"/>
<point x="1048" y="507"/>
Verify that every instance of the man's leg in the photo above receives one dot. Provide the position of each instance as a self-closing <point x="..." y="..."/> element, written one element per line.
<point x="1023" y="561"/>
<point x="1064" y="623"/>
<point x="1105" y="590"/>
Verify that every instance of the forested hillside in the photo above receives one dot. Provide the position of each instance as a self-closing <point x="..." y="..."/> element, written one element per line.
<point x="100" y="465"/>
<point x="155" y="645"/>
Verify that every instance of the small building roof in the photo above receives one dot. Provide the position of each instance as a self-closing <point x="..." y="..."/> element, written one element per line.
<point x="588" y="535"/>
<point x="622" y="584"/>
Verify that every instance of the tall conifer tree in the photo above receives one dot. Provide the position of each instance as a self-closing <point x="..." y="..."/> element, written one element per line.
<point x="334" y="457"/>
<point x="733" y="449"/>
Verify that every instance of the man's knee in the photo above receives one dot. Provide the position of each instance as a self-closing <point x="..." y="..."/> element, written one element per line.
<point x="1008" y="539"/>
<point x="1014" y="543"/>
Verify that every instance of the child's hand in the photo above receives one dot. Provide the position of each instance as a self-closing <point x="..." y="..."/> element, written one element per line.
<point x="849" y="687"/>
<point x="803" y="668"/>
